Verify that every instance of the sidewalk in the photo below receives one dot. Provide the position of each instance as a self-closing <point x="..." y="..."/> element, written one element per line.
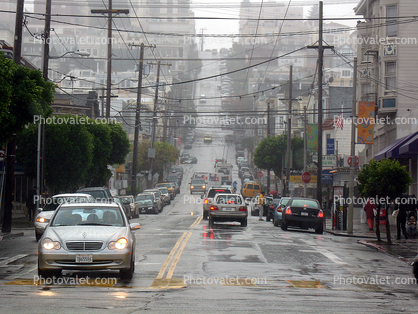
<point x="19" y="222"/>
<point x="406" y="250"/>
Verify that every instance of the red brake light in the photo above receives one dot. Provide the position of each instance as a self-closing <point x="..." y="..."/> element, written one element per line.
<point x="243" y="209"/>
<point x="206" y="201"/>
<point x="321" y="214"/>
<point x="279" y="209"/>
<point x="288" y="211"/>
<point x="214" y="208"/>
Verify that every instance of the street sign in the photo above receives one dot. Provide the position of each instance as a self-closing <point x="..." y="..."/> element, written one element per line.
<point x="259" y="174"/>
<point x="306" y="177"/>
<point x="356" y="162"/>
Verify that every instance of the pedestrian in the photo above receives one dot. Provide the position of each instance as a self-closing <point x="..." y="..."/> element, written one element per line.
<point x="31" y="204"/>
<point x="401" y="218"/>
<point x="369" y="208"/>
<point x="261" y="202"/>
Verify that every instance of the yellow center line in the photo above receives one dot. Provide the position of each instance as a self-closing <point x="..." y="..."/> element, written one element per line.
<point x="170" y="256"/>
<point x="198" y="220"/>
<point x="176" y="259"/>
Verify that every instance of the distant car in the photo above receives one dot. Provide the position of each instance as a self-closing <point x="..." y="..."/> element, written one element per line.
<point x="170" y="187"/>
<point x="148" y="203"/>
<point x="166" y="194"/>
<point x="254" y="208"/>
<point x="303" y="213"/>
<point x="130" y="199"/>
<point x="207" y="138"/>
<point x="184" y="156"/>
<point x="271" y="208"/>
<point x="197" y="185"/>
<point x="125" y="205"/>
<point x="101" y="194"/>
<point x="87" y="236"/>
<point x="191" y="160"/>
<point x="228" y="207"/>
<point x="278" y="211"/>
<point x="159" y="196"/>
<point x="52" y="203"/>
<point x="188" y="145"/>
<point x="202" y="98"/>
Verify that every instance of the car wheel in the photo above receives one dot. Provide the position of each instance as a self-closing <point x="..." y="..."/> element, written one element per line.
<point x="244" y="223"/>
<point x="128" y="273"/>
<point x="38" y="236"/>
<point x="211" y="222"/>
<point x="275" y="222"/>
<point x="283" y="226"/>
<point x="319" y="230"/>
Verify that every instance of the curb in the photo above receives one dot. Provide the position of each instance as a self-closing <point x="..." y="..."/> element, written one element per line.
<point x="382" y="249"/>
<point x="5" y="236"/>
<point x="348" y="235"/>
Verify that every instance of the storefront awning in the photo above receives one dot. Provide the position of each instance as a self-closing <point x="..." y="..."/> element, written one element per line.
<point x="392" y="150"/>
<point x="410" y="147"/>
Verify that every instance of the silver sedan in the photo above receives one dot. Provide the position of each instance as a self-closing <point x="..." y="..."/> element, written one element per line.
<point x="89" y="236"/>
<point x="228" y="207"/>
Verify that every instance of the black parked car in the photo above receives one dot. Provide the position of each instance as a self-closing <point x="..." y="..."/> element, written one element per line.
<point x="303" y="213"/>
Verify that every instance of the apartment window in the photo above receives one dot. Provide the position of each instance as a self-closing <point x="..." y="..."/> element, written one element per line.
<point x="366" y="89"/>
<point x="390" y="75"/>
<point x="391" y="14"/>
<point x="346" y="73"/>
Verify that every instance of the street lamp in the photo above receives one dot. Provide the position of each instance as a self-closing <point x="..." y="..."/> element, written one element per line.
<point x="80" y="53"/>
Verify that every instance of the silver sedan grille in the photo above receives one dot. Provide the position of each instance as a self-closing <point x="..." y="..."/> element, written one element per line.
<point x="84" y="245"/>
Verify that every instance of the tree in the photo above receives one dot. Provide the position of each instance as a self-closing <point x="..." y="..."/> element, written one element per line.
<point x="271" y="153"/>
<point x="384" y="179"/>
<point x="24" y="94"/>
<point x="68" y="154"/>
<point x="102" y="147"/>
<point x="120" y="144"/>
<point x="164" y="153"/>
<point x="76" y="153"/>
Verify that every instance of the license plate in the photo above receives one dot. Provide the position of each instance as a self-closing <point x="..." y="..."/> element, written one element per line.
<point x="84" y="258"/>
<point x="227" y="209"/>
<point x="304" y="214"/>
<point x="143" y="210"/>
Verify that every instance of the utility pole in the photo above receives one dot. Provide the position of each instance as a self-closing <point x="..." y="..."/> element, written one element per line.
<point x="110" y="11"/>
<point x="289" y="131"/>
<point x="151" y="152"/>
<point x="305" y="147"/>
<point x="137" y="125"/>
<point x="352" y="153"/>
<point x="42" y="126"/>
<point x="11" y="145"/>
<point x="268" y="135"/>
<point x="320" y="48"/>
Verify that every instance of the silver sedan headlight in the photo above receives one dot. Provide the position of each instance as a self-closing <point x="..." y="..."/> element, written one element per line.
<point x="42" y="219"/>
<point x="48" y="244"/>
<point x="119" y="244"/>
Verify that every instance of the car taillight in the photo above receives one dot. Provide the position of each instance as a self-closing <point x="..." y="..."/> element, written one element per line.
<point x="288" y="211"/>
<point x="279" y="209"/>
<point x="214" y="208"/>
<point x="321" y="214"/>
<point x="206" y="201"/>
<point x="271" y="206"/>
<point x="243" y="209"/>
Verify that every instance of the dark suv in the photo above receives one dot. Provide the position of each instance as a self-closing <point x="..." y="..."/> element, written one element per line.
<point x="101" y="194"/>
<point x="209" y="196"/>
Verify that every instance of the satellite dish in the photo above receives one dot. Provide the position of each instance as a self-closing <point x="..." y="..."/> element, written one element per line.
<point x="331" y="79"/>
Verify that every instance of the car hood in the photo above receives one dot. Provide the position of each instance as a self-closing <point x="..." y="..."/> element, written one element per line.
<point x="84" y="233"/>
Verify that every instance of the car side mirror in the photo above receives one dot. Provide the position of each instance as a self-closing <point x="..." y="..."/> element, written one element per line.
<point x="135" y="226"/>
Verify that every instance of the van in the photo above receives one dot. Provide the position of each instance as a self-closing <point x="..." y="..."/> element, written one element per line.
<point x="251" y="189"/>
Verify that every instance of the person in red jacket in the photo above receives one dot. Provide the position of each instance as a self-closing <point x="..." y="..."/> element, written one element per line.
<point x="369" y="209"/>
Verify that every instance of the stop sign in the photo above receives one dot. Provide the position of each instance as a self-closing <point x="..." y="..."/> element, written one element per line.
<point x="306" y="177"/>
<point x="259" y="174"/>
